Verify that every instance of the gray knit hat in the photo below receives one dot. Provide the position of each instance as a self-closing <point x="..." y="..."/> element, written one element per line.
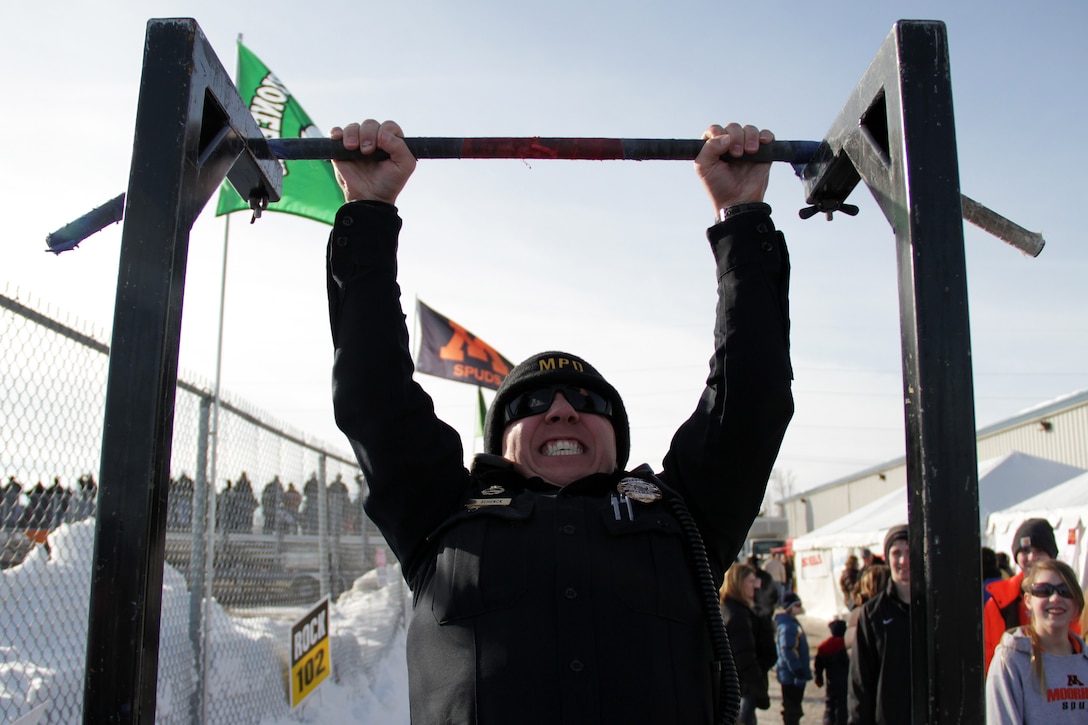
<point x="550" y="368"/>
<point x="895" y="533"/>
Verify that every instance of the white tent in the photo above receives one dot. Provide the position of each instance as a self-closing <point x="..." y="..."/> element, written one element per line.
<point x="1065" y="506"/>
<point x="821" y="554"/>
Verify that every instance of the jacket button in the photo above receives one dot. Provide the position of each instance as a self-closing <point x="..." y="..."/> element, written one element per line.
<point x="568" y="529"/>
<point x="576" y="665"/>
<point x="766" y="246"/>
<point x="571" y="593"/>
<point x="341" y="241"/>
<point x="762" y="228"/>
<point x="347" y="221"/>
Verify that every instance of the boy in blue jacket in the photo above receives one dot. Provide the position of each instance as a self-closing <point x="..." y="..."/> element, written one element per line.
<point x="792" y="668"/>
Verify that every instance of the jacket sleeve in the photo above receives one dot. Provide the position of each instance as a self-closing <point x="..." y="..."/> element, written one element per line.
<point x="721" y="457"/>
<point x="864" y="671"/>
<point x="1004" y="691"/>
<point x="413" y="462"/>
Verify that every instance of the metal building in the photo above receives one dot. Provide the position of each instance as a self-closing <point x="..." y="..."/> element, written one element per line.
<point x="1057" y="430"/>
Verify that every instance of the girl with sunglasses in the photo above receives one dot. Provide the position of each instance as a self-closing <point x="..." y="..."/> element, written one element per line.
<point x="1039" y="672"/>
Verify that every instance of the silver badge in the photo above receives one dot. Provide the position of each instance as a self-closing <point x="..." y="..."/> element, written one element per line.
<point x="492" y="490"/>
<point x="639" y="490"/>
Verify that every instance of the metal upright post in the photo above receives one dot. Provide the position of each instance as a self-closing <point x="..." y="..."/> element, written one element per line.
<point x="323" y="525"/>
<point x="192" y="130"/>
<point x="197" y="555"/>
<point x="897" y="134"/>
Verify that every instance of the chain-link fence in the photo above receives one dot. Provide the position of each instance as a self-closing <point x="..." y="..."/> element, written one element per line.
<point x="281" y="527"/>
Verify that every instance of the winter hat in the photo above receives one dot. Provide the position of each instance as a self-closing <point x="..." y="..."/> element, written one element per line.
<point x="790" y="599"/>
<point x="550" y="368"/>
<point x="895" y="533"/>
<point x="837" y="627"/>
<point x="1038" y="533"/>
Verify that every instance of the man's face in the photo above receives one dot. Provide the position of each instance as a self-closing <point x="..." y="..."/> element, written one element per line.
<point x="1026" y="557"/>
<point x="899" y="561"/>
<point x="561" y="445"/>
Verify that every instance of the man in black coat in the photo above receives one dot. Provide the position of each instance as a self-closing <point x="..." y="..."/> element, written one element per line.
<point x="880" y="675"/>
<point x="552" y="585"/>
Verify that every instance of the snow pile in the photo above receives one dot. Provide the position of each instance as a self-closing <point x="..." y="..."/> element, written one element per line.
<point x="43" y="636"/>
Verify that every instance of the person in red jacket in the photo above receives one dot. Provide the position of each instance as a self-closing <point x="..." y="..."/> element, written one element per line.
<point x="1004" y="609"/>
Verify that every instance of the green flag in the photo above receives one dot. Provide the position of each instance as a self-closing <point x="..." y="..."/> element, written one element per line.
<point x="309" y="187"/>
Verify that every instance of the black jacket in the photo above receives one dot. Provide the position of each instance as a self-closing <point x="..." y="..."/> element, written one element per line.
<point x="557" y="605"/>
<point x="751" y="638"/>
<point x="880" y="676"/>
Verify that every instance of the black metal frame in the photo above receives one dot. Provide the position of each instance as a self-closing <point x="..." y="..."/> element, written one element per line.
<point x="192" y="130"/>
<point x="896" y="133"/>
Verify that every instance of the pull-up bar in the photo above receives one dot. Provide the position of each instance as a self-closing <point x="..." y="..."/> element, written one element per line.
<point x="537" y="147"/>
<point x="797" y="153"/>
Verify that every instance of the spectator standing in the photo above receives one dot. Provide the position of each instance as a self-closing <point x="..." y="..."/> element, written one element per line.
<point x="58" y="499"/>
<point x="880" y="676"/>
<point x="272" y="506"/>
<point x="1003" y="565"/>
<point x="1040" y="670"/>
<point x="245" y="503"/>
<point x="292" y="500"/>
<point x="309" y="506"/>
<point x="872" y="581"/>
<point x="833" y="669"/>
<point x="34" y="515"/>
<point x="84" y="502"/>
<point x="1004" y="608"/>
<point x="752" y="661"/>
<point x="11" y="508"/>
<point x="792" y="667"/>
<point x="868" y="559"/>
<point x="224" y="507"/>
<point x="774" y="566"/>
<point x="990" y="571"/>
<point x="179" y="508"/>
<point x="848" y="582"/>
<point x="338" y="501"/>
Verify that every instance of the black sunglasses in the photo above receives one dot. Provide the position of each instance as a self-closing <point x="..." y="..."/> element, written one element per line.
<point x="1043" y="591"/>
<point x="539" y="400"/>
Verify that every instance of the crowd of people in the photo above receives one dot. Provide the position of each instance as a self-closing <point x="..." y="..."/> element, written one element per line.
<point x="283" y="510"/>
<point x="46" y="508"/>
<point x="1035" y="658"/>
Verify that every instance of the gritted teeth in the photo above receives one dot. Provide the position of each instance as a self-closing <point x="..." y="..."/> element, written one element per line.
<point x="562" y="448"/>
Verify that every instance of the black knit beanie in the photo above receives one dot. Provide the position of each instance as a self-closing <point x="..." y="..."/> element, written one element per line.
<point x="895" y="533"/>
<point x="549" y="368"/>
<point x="1038" y="533"/>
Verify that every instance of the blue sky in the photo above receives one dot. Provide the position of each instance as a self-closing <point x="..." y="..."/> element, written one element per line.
<point x="608" y="259"/>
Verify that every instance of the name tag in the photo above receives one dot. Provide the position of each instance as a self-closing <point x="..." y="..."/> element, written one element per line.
<point x="475" y="503"/>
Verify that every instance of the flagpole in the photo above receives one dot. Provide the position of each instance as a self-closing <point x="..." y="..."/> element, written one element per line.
<point x="209" y="550"/>
<point x="478" y="423"/>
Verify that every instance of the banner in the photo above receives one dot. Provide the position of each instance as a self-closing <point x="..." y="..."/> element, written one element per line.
<point x="448" y="350"/>
<point x="309" y="187"/>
